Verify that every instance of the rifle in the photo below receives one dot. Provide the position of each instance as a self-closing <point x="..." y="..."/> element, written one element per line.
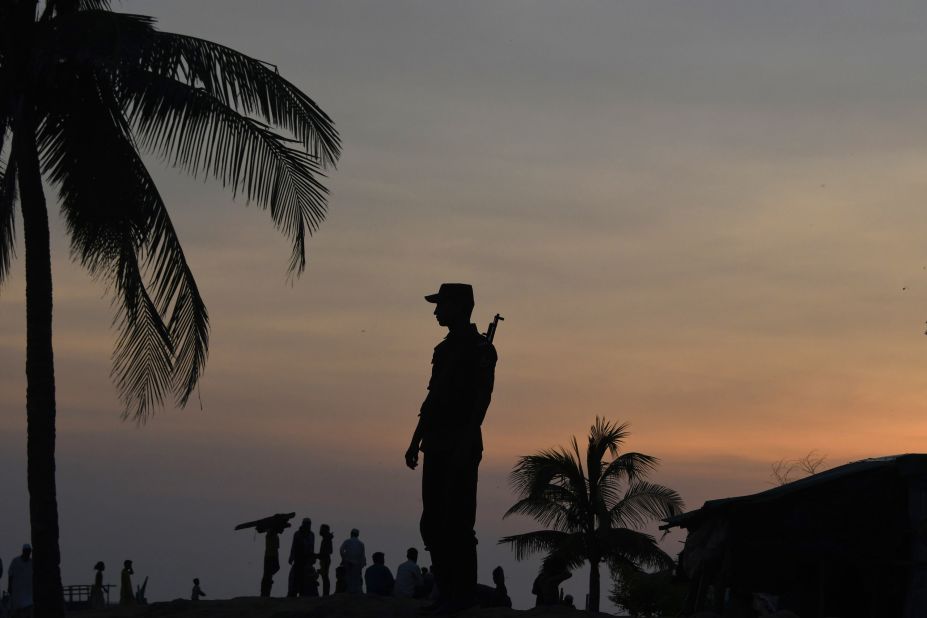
<point x="491" y="330"/>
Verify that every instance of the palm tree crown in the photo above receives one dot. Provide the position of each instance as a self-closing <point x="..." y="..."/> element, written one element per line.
<point x="592" y="513"/>
<point x="82" y="90"/>
<point x="98" y="86"/>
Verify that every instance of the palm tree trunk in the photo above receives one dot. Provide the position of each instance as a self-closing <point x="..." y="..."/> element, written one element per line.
<point x="40" y="378"/>
<point x="593" y="585"/>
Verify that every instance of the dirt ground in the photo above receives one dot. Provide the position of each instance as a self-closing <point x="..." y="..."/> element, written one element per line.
<point x="335" y="606"/>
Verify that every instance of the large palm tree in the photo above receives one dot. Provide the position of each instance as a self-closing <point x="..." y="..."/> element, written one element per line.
<point x="82" y="90"/>
<point x="593" y="513"/>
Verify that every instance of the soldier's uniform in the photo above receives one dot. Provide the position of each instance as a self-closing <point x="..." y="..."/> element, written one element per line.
<point x="459" y="392"/>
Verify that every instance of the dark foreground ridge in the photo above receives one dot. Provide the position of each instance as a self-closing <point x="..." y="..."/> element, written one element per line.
<point x="335" y="606"/>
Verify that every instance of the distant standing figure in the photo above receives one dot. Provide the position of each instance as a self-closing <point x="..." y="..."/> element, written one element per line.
<point x="97" y="600"/>
<point x="312" y="582"/>
<point x="325" y="557"/>
<point x="497" y="596"/>
<point x="378" y="578"/>
<point x="197" y="591"/>
<point x="409" y="581"/>
<point x="340" y="586"/>
<point x="448" y="433"/>
<point x="353" y="559"/>
<point x="126" y="597"/>
<point x="19" y="584"/>
<point x="428" y="583"/>
<point x="546" y="586"/>
<point x="271" y="560"/>
<point x="302" y="556"/>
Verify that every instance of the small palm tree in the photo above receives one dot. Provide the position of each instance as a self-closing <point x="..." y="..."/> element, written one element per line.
<point x="82" y="90"/>
<point x="594" y="514"/>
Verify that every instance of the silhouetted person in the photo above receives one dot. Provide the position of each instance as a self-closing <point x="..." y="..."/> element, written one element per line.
<point x="568" y="601"/>
<point x="340" y="585"/>
<point x="498" y="595"/>
<point x="409" y="583"/>
<point x="428" y="583"/>
<point x="353" y="559"/>
<point x="546" y="586"/>
<point x="302" y="556"/>
<point x="378" y="578"/>
<point x="271" y="559"/>
<point x="312" y="582"/>
<point x="325" y="557"/>
<point x="19" y="583"/>
<point x="126" y="597"/>
<point x="448" y="433"/>
<point x="197" y="592"/>
<point x="97" y="599"/>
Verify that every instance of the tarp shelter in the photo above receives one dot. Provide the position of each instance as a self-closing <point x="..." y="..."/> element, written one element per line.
<point x="850" y="542"/>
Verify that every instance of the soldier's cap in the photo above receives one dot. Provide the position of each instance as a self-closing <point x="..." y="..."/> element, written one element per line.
<point x="456" y="293"/>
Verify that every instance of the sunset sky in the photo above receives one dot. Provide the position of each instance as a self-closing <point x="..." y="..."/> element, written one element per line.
<point x="704" y="218"/>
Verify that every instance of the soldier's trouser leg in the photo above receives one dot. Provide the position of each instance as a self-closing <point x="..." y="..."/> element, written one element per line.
<point x="461" y="521"/>
<point x="448" y="519"/>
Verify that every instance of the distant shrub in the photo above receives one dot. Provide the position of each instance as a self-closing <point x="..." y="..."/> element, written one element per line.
<point x="648" y="595"/>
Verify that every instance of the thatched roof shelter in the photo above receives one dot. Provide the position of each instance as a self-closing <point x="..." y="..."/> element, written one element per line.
<point x="850" y="542"/>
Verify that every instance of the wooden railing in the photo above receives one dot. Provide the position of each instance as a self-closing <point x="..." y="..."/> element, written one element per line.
<point x="78" y="597"/>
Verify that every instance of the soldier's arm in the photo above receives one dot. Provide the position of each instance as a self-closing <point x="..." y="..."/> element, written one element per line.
<point x="415" y="444"/>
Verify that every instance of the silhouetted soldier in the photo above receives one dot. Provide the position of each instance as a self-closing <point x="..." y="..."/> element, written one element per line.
<point x="448" y="432"/>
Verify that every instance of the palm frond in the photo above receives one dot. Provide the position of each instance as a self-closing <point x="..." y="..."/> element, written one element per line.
<point x="621" y="546"/>
<point x="8" y="173"/>
<point x="530" y="543"/>
<point x="94" y="5"/>
<point x="630" y="467"/>
<point x="244" y="83"/>
<point x="197" y="131"/>
<point x="96" y="38"/>
<point x="532" y="475"/>
<point x="579" y="461"/>
<point x="64" y="7"/>
<point x="643" y="503"/>
<point x="605" y="436"/>
<point x="553" y="506"/>
<point x="120" y="232"/>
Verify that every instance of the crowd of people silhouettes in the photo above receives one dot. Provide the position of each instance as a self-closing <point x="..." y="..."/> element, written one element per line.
<point x="353" y="575"/>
